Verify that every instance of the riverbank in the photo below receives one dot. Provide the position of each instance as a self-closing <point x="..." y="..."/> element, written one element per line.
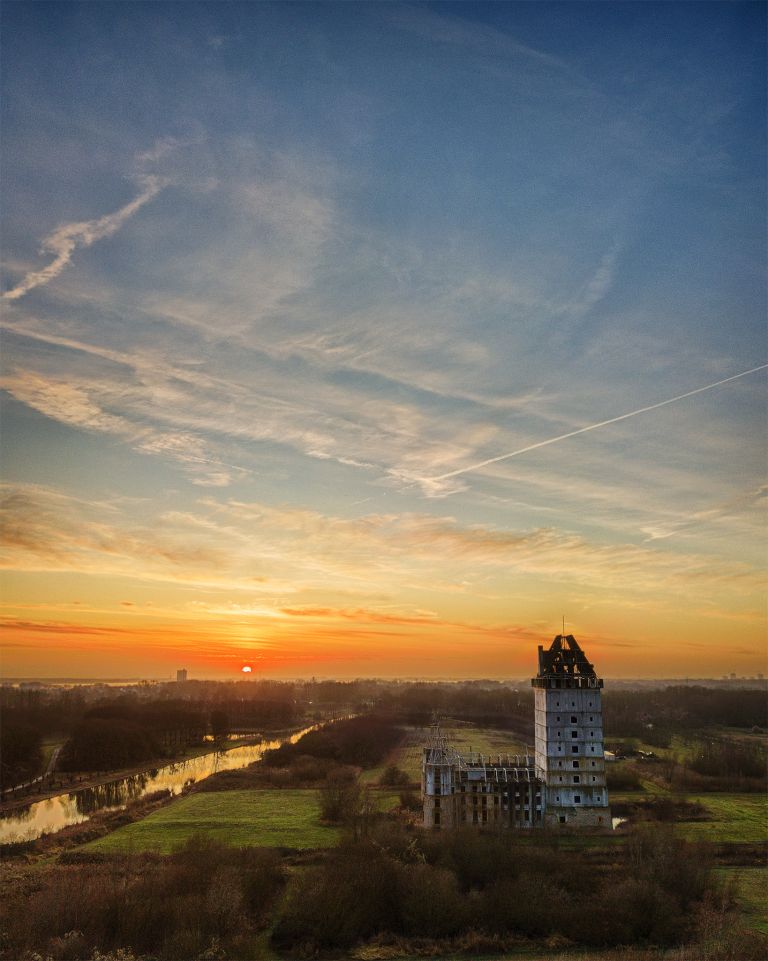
<point x="63" y="783"/>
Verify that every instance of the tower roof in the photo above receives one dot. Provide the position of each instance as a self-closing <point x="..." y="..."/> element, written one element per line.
<point x="564" y="659"/>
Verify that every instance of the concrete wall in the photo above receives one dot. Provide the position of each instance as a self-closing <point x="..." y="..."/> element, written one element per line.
<point x="569" y="754"/>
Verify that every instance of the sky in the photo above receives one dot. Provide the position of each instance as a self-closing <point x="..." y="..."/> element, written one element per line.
<point x="306" y="307"/>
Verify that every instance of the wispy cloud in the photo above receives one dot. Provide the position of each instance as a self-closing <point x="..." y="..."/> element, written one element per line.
<point x="67" y="238"/>
<point x="433" y="483"/>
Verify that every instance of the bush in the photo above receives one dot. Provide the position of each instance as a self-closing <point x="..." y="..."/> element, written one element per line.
<point x="621" y="777"/>
<point x="340" y="800"/>
<point x="394" y="777"/>
<point x="362" y="741"/>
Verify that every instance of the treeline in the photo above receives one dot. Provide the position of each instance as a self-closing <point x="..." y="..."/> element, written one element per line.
<point x="26" y="719"/>
<point x="127" y="728"/>
<point x="654" y="714"/>
<point x="127" y="731"/>
<point x="20" y="751"/>
<point x="491" y="704"/>
<point x="363" y="741"/>
<point x="729" y="758"/>
<point x="720" y="764"/>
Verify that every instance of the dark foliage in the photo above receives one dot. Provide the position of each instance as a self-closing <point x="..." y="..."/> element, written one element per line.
<point x="126" y="731"/>
<point x="363" y="741"/>
<point x="683" y="708"/>
<point x="340" y="799"/>
<point x="172" y="908"/>
<point x="303" y="772"/>
<point x="441" y="885"/>
<point x="727" y="758"/>
<point x="394" y="777"/>
<point x="622" y="777"/>
<point x="20" y="751"/>
<point x="100" y="744"/>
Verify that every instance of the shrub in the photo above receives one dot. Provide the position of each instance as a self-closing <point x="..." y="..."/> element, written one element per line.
<point x="622" y="777"/>
<point x="394" y="777"/>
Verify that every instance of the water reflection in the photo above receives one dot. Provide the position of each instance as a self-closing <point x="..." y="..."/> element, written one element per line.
<point x="53" y="814"/>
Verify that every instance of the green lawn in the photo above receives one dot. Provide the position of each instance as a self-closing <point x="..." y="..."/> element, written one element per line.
<point x="730" y="817"/>
<point x="287" y="818"/>
<point x="733" y="817"/>
<point x="752" y="894"/>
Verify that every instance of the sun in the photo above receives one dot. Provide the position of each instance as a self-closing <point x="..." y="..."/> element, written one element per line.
<point x="247" y="669"/>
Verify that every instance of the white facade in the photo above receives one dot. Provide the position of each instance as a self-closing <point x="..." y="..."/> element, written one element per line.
<point x="569" y="756"/>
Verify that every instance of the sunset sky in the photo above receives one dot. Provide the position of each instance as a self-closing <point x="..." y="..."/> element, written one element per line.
<point x="283" y="283"/>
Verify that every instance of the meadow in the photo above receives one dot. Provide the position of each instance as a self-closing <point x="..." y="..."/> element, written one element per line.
<point x="278" y="819"/>
<point x="465" y="737"/>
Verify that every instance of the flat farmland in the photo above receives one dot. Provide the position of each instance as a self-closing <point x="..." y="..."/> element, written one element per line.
<point x="283" y="818"/>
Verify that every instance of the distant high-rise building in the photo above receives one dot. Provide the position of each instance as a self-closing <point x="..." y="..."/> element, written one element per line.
<point x="181" y="675"/>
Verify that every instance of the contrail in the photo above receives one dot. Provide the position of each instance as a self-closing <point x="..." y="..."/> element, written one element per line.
<point x="602" y="423"/>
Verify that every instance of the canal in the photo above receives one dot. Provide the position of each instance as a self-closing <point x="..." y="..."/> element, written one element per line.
<point x="74" y="807"/>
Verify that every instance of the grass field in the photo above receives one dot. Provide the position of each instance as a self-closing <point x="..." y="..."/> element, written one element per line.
<point x="289" y="819"/>
<point x="752" y="894"/>
<point x="483" y="740"/>
<point x="733" y="817"/>
<point x="730" y="817"/>
<point x="463" y="737"/>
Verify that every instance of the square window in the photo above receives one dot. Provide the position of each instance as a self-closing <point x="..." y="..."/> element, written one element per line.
<point x="594" y="778"/>
<point x="575" y="749"/>
<point x="560" y="778"/>
<point x="575" y="763"/>
<point x="574" y="733"/>
<point x="562" y="819"/>
<point x="593" y="764"/>
<point x="574" y="719"/>
<point x="577" y="799"/>
<point x="576" y="779"/>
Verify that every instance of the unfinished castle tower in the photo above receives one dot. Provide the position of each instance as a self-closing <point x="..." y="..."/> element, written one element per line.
<point x="569" y="755"/>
